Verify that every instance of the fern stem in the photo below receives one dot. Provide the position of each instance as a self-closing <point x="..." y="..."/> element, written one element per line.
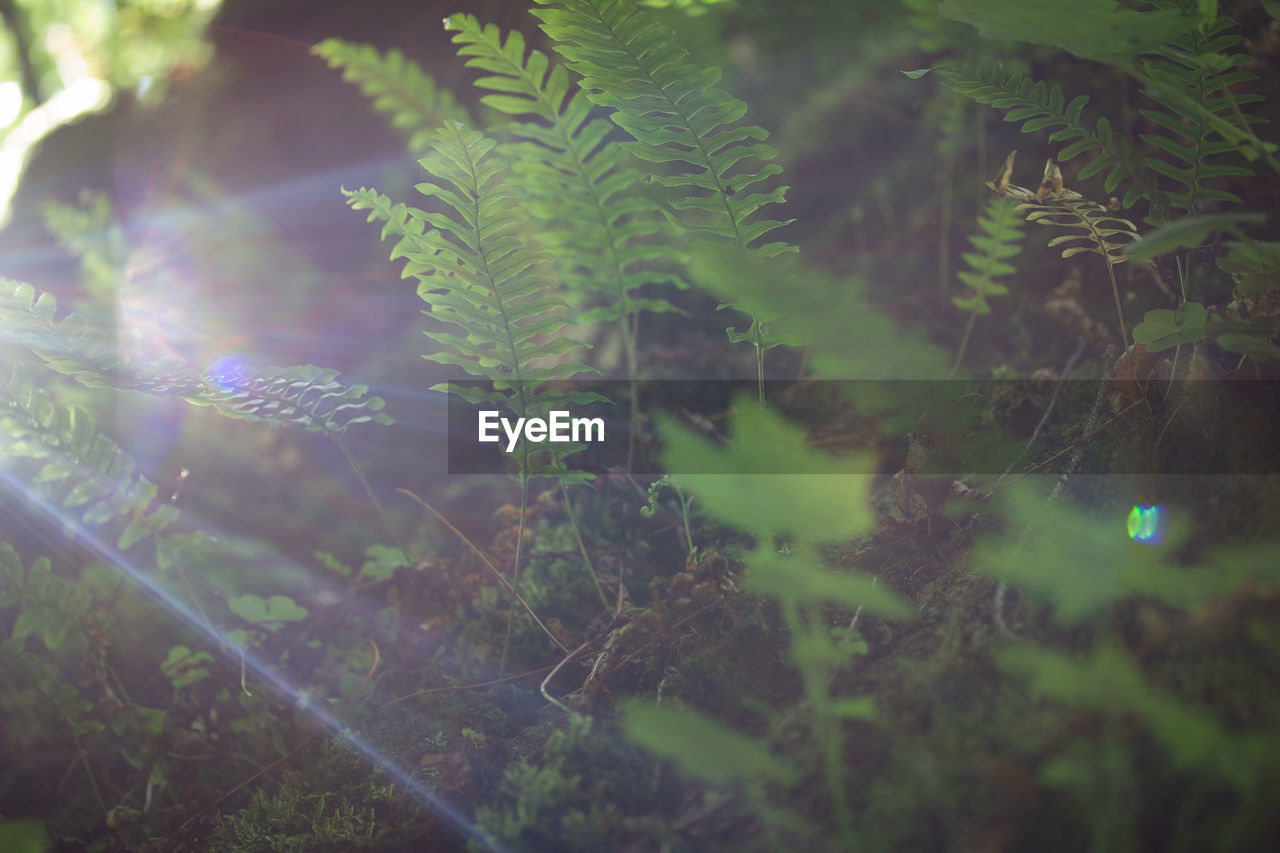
<point x="633" y="391"/>
<point x="1115" y="291"/>
<point x="582" y="544"/>
<point x="755" y="324"/>
<point x="368" y="489"/>
<point x="964" y="342"/>
<point x="515" y="568"/>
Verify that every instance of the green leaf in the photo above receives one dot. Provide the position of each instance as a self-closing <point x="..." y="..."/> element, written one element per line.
<point x="260" y="611"/>
<point x="768" y="482"/>
<point x="1189" y="231"/>
<point x="1162" y="328"/>
<point x="1255" y="266"/>
<point x="1250" y="345"/>
<point x="1091" y="29"/>
<point x="1083" y="563"/>
<point x="1109" y="682"/>
<point x="700" y="746"/>
<point x="23" y="836"/>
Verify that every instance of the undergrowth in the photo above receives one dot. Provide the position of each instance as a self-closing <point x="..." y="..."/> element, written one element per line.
<point x="817" y="612"/>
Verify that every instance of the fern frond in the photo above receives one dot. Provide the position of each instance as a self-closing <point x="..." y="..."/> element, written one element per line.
<point x="305" y="396"/>
<point x="77" y="467"/>
<point x="677" y="116"/>
<point x="1041" y="108"/>
<point x="598" y="230"/>
<point x="1198" y="68"/>
<point x="1001" y="232"/>
<point x="478" y="275"/>
<point x="397" y="87"/>
<point x="1097" y="231"/>
<point x="91" y="232"/>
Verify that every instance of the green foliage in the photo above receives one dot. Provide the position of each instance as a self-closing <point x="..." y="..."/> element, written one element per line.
<point x="633" y="66"/>
<point x="816" y="499"/>
<point x="1189" y="231"/>
<point x="701" y="747"/>
<point x="90" y="231"/>
<point x="23" y="836"/>
<point x="833" y="318"/>
<point x="1198" y="68"/>
<point x="1109" y="682"/>
<point x="598" y="230"/>
<point x="1090" y="29"/>
<point x="397" y="86"/>
<point x="305" y="395"/>
<point x="1162" y="328"/>
<point x="1254" y="265"/>
<point x="1040" y="108"/>
<point x="679" y="120"/>
<point x="270" y="613"/>
<point x="996" y="244"/>
<point x="1081" y="564"/>
<point x="79" y="469"/>
<point x="336" y="804"/>
<point x="477" y="273"/>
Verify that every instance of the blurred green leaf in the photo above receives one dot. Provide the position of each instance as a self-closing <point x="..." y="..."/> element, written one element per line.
<point x="702" y="747"/>
<point x="1162" y="328"/>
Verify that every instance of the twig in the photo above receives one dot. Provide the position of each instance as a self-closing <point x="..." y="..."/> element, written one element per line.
<point x="476" y="686"/>
<point x="552" y="674"/>
<point x="484" y="559"/>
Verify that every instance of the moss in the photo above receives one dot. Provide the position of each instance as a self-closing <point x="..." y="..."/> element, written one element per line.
<point x="334" y="805"/>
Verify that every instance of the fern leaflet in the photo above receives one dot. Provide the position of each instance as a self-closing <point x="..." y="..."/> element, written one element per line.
<point x="397" y="87"/>
<point x="1197" y="67"/>
<point x="1001" y="233"/>
<point x="1097" y="231"/>
<point x="1040" y="108"/>
<point x="79" y="468"/>
<point x="634" y="66"/>
<point x="568" y="178"/>
<point x="304" y="395"/>
<point x="476" y="273"/>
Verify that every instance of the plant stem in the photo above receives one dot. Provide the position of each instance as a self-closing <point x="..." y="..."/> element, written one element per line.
<point x="582" y="545"/>
<point x="964" y="342"/>
<point x="515" y="568"/>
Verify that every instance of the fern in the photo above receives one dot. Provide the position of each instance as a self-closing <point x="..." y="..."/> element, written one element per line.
<point x="397" y="86"/>
<point x="476" y="273"/>
<point x="599" y="231"/>
<point x="79" y="468"/>
<point x="678" y="119"/>
<point x="1198" y="68"/>
<point x="1096" y="230"/>
<point x="89" y="230"/>
<point x="998" y="242"/>
<point x="1040" y="108"/>
<point x="305" y="395"/>
<point x="568" y="178"/>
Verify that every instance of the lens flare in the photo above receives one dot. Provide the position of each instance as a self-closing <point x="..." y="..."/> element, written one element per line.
<point x="1144" y="524"/>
